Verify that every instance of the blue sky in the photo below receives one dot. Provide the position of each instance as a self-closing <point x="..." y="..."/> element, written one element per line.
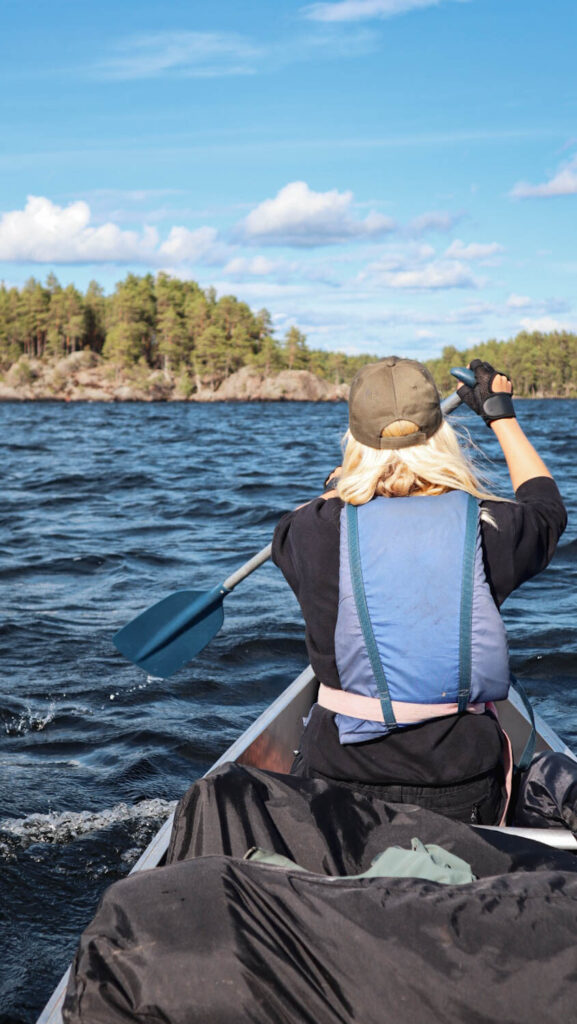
<point x="388" y="175"/>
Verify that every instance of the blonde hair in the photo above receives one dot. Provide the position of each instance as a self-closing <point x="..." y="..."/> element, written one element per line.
<point x="438" y="465"/>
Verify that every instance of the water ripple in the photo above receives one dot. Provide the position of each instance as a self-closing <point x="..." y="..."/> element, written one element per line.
<point x="107" y="509"/>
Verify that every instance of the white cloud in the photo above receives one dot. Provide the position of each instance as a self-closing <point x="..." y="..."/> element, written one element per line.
<point x="541" y="310"/>
<point x="545" y="324"/>
<point x="401" y="258"/>
<point x="247" y="268"/>
<point x="298" y="216"/>
<point x="484" y="252"/>
<point x="44" y="232"/>
<point x="199" y="246"/>
<point x="435" y="220"/>
<point x="185" y="54"/>
<point x="438" y="274"/>
<point x="564" y="183"/>
<point x="356" y="10"/>
<point x="256" y="266"/>
<point x="518" y="301"/>
<point x="417" y="267"/>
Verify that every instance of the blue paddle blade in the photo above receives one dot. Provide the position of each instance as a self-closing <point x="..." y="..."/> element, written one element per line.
<point x="163" y="638"/>
<point x="464" y="375"/>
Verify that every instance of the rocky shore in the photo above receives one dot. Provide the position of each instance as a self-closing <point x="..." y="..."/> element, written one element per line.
<point x="86" y="377"/>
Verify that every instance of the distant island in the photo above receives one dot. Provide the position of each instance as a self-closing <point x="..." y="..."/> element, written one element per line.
<point x="163" y="339"/>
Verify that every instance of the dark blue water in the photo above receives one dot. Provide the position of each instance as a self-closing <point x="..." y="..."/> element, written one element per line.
<point x="107" y="508"/>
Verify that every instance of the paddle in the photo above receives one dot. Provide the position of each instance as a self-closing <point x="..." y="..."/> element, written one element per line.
<point x="172" y="632"/>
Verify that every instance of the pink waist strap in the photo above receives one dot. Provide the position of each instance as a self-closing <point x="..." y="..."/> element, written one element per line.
<point x="354" y="705"/>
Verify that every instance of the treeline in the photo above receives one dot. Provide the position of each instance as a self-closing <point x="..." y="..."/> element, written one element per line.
<point x="164" y="323"/>
<point x="160" y="322"/>
<point x="540" y="365"/>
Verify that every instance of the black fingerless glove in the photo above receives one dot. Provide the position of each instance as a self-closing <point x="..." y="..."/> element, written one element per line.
<point x="481" y="398"/>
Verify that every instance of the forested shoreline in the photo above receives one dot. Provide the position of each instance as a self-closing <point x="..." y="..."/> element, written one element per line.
<point x="162" y="338"/>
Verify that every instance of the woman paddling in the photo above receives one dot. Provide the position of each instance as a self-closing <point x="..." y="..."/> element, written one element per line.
<point x="399" y="571"/>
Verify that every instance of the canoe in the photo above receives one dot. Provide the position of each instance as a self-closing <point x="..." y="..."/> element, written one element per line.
<point x="269" y="743"/>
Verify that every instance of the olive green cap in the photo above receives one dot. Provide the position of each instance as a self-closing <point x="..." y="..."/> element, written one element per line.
<point x="393" y="389"/>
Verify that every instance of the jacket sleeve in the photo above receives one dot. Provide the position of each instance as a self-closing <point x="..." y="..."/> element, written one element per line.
<point x="305" y="547"/>
<point x="525" y="537"/>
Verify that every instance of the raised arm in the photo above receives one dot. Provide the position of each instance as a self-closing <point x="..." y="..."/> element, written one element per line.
<point x="523" y="462"/>
<point x="491" y="399"/>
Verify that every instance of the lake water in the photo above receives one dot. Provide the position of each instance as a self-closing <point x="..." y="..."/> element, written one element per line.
<point x="106" y="509"/>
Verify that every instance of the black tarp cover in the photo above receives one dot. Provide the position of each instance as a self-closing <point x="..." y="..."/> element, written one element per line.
<point x="215" y="939"/>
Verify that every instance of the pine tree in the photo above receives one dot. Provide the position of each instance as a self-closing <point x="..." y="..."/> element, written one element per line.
<point x="95" y="307"/>
<point x="173" y="341"/>
<point x="131" y="334"/>
<point x="295" y="350"/>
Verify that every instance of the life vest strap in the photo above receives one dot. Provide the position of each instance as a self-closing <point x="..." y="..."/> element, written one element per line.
<point x="387" y="711"/>
<point x="466" y="623"/>
<point x="354" y="705"/>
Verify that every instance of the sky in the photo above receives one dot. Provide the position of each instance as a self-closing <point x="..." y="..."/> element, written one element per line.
<point x="390" y="176"/>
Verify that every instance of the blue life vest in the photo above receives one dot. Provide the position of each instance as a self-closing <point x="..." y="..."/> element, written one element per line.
<point x="421" y="625"/>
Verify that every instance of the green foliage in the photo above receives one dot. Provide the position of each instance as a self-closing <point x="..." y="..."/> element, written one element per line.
<point x="21" y="373"/>
<point x="130" y="321"/>
<point x="540" y="365"/>
<point x="196" y="340"/>
<point x="95" y="317"/>
<point x="10" y="338"/>
<point x="185" y="385"/>
<point x="295" y="350"/>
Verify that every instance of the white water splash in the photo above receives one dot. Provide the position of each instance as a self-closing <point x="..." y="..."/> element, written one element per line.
<point x="29" y="721"/>
<point x="66" y="826"/>
<point x="134" y="689"/>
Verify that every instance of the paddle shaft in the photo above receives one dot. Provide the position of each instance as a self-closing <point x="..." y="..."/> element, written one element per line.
<point x="450" y="403"/>
<point x="248" y="567"/>
<point x="174" y="630"/>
